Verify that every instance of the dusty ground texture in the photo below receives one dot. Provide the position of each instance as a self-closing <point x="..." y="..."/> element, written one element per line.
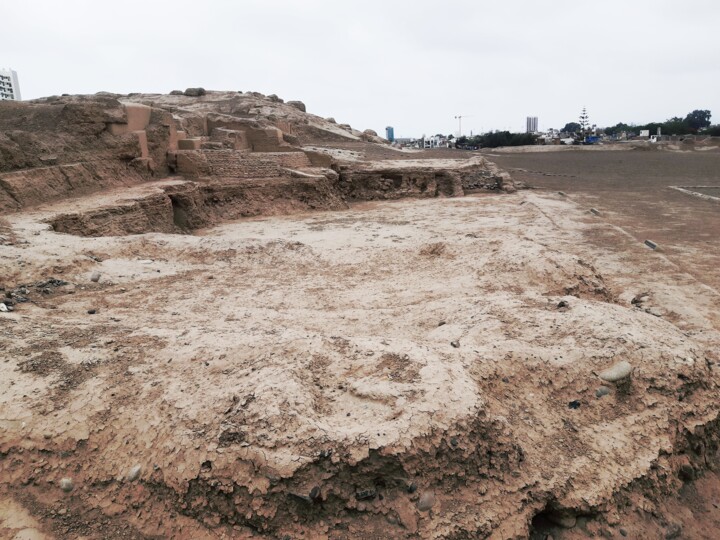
<point x="398" y="369"/>
<point x="340" y="364"/>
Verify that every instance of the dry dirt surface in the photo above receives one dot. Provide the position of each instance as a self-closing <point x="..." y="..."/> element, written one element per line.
<point x="300" y="355"/>
<point x="420" y="368"/>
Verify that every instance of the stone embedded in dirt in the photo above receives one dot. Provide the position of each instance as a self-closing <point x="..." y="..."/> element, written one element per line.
<point x="455" y="344"/>
<point x="66" y="484"/>
<point x="365" y="495"/>
<point x="595" y="211"/>
<point x="195" y="92"/>
<point x="315" y="493"/>
<point x="563" y="304"/>
<point x="575" y="404"/>
<point x="674" y="530"/>
<point x="442" y="323"/>
<point x="95" y="277"/>
<point x="299" y="105"/>
<point x="686" y="473"/>
<point x="623" y="532"/>
<point x="4" y="308"/>
<point x="617" y="372"/>
<point x="602" y="391"/>
<point x="426" y="501"/>
<point x="412" y="487"/>
<point x="92" y="311"/>
<point x="134" y="473"/>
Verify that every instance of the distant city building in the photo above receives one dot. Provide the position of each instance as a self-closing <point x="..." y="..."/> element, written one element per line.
<point x="531" y="124"/>
<point x="9" y="86"/>
<point x="390" y="133"/>
<point x="406" y="142"/>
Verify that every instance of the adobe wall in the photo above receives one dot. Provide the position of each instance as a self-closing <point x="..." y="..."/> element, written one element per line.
<point x="290" y="160"/>
<point x="137" y="118"/>
<point x="31" y="187"/>
<point x="225" y="164"/>
<point x="257" y="137"/>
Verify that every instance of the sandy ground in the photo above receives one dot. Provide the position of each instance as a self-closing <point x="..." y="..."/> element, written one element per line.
<point x="415" y="343"/>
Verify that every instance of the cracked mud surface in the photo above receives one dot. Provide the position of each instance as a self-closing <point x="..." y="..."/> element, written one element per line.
<point x="395" y="370"/>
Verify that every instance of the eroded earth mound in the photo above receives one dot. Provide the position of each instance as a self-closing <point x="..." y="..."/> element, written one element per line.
<point x="337" y="364"/>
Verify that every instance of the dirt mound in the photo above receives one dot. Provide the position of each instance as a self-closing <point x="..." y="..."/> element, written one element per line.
<point x="398" y="369"/>
<point x="441" y="367"/>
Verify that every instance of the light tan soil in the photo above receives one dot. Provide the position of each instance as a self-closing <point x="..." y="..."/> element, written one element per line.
<point x="396" y="370"/>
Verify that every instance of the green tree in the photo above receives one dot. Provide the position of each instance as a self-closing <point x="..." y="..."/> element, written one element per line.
<point x="698" y="119"/>
<point x="572" y="127"/>
<point x="676" y="126"/>
<point x="619" y="128"/>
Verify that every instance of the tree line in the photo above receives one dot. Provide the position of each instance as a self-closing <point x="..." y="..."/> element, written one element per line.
<point x="697" y="121"/>
<point x="494" y="139"/>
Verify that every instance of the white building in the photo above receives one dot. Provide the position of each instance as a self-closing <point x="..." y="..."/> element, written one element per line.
<point x="9" y="86"/>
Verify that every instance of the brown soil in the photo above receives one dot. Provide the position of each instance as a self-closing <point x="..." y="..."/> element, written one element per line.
<point x="416" y="368"/>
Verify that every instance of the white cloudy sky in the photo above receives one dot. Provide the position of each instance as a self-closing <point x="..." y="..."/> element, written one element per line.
<point x="413" y="64"/>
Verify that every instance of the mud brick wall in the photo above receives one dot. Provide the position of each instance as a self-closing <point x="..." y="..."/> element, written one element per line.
<point x="290" y="160"/>
<point x="231" y="164"/>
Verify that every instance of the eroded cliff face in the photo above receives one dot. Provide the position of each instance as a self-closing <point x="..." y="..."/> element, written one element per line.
<point x="71" y="146"/>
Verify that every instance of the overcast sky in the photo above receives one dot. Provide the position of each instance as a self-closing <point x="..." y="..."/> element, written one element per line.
<point x="412" y="64"/>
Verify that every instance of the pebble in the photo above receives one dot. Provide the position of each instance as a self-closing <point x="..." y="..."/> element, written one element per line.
<point x="602" y="391"/>
<point x="426" y="501"/>
<point x="575" y="404"/>
<point x="616" y="373"/>
<point x="623" y="532"/>
<point x="92" y="311"/>
<point x="134" y="473"/>
<point x="3" y="308"/>
<point x="563" y="304"/>
<point x="66" y="484"/>
<point x="365" y="495"/>
<point x="95" y="277"/>
<point x="673" y="531"/>
<point x="455" y="344"/>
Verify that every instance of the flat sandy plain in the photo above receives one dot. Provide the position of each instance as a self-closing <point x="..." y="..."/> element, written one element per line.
<point x="396" y="370"/>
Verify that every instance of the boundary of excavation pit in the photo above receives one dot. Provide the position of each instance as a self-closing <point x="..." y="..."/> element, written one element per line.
<point x="687" y="190"/>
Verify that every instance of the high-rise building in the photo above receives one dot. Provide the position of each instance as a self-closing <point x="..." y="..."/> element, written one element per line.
<point x="390" y="133"/>
<point x="531" y="124"/>
<point x="9" y="86"/>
